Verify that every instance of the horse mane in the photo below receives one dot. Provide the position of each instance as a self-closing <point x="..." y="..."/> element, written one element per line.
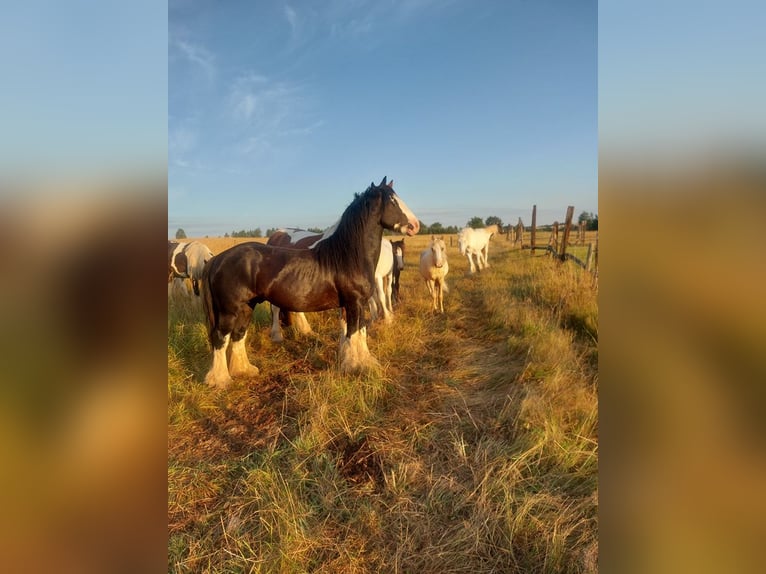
<point x="343" y="248"/>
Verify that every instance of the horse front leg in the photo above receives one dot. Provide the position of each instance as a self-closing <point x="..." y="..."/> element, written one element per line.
<point x="354" y="354"/>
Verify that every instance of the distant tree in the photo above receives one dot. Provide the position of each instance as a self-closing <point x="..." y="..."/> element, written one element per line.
<point x="591" y="221"/>
<point x="437" y="227"/>
<point x="424" y="229"/>
<point x="494" y="220"/>
<point x="180" y="234"/>
<point x="248" y="233"/>
<point x="451" y="229"/>
<point x="270" y="231"/>
<point x="475" y="222"/>
<point x="225" y="234"/>
<point x="315" y="230"/>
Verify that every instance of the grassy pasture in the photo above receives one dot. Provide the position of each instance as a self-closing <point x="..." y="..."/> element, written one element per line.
<point x="473" y="449"/>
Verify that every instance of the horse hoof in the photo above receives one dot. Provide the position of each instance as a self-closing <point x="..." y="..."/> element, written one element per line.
<point x="246" y="371"/>
<point x="219" y="383"/>
<point x="277" y="338"/>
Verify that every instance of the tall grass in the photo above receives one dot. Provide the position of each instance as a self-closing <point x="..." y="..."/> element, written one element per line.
<point x="474" y="447"/>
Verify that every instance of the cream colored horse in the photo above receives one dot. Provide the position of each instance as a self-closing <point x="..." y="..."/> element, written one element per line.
<point x="434" y="268"/>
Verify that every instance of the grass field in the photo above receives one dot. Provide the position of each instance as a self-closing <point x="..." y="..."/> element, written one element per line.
<point x="473" y="449"/>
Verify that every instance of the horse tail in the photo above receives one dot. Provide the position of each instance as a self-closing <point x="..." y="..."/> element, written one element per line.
<point x="207" y="297"/>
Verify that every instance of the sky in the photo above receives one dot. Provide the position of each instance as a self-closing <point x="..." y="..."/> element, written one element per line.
<point x="279" y="112"/>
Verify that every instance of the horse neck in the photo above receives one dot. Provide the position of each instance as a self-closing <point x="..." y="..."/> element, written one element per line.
<point x="353" y="243"/>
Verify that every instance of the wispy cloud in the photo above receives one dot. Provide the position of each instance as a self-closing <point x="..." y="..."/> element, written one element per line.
<point x="199" y="56"/>
<point x="266" y="111"/>
<point x="292" y="17"/>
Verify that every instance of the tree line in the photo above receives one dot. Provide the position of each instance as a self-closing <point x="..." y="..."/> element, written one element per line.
<point x="436" y="228"/>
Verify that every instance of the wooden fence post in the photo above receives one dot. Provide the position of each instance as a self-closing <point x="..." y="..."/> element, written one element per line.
<point x="533" y="230"/>
<point x="589" y="256"/>
<point x="567" y="229"/>
<point x="519" y="234"/>
<point x="553" y="241"/>
<point x="595" y="263"/>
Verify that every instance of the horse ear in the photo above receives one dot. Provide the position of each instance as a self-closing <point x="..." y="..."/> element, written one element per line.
<point x="382" y="183"/>
<point x="391" y="184"/>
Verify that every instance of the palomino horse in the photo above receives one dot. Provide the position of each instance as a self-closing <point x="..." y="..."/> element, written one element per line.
<point x="296" y="238"/>
<point x="475" y="243"/>
<point x="434" y="269"/>
<point x="338" y="272"/>
<point x="398" y="247"/>
<point x="187" y="261"/>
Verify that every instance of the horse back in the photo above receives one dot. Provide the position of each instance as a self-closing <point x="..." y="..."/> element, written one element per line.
<point x="290" y="278"/>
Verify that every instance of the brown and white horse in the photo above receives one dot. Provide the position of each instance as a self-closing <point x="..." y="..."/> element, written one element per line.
<point x="338" y="272"/>
<point x="187" y="261"/>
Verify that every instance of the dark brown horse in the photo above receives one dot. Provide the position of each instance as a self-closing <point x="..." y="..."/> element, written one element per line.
<point x="398" y="247"/>
<point x="297" y="239"/>
<point x="338" y="272"/>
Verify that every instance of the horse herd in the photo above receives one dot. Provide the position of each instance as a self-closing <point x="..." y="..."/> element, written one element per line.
<point x="350" y="267"/>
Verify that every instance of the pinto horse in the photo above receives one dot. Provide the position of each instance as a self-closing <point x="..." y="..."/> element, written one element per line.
<point x="474" y="243"/>
<point x="338" y="272"/>
<point x="434" y="269"/>
<point x="398" y="247"/>
<point x="187" y="261"/>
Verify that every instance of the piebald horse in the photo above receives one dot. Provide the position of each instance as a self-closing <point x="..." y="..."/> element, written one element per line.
<point x="434" y="268"/>
<point x="338" y="273"/>
<point x="474" y="243"/>
<point x="187" y="261"/>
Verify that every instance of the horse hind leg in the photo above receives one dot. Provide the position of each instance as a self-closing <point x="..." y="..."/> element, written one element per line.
<point x="301" y="324"/>
<point x="276" y="328"/>
<point x="239" y="364"/>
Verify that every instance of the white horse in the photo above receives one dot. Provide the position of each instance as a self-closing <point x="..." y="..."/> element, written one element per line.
<point x="434" y="268"/>
<point x="474" y="243"/>
<point x="384" y="272"/>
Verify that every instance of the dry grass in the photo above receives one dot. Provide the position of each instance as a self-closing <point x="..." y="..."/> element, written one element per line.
<point x="473" y="449"/>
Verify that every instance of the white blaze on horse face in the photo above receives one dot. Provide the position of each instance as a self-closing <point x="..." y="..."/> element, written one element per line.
<point x="399" y="258"/>
<point x="414" y="223"/>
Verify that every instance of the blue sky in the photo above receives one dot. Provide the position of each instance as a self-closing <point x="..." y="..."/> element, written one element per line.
<point x="278" y="112"/>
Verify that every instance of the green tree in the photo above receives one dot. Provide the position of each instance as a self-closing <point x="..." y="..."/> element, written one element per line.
<point x="180" y="234"/>
<point x="437" y="227"/>
<point x="494" y="220"/>
<point x="475" y="222"/>
<point x="593" y="224"/>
